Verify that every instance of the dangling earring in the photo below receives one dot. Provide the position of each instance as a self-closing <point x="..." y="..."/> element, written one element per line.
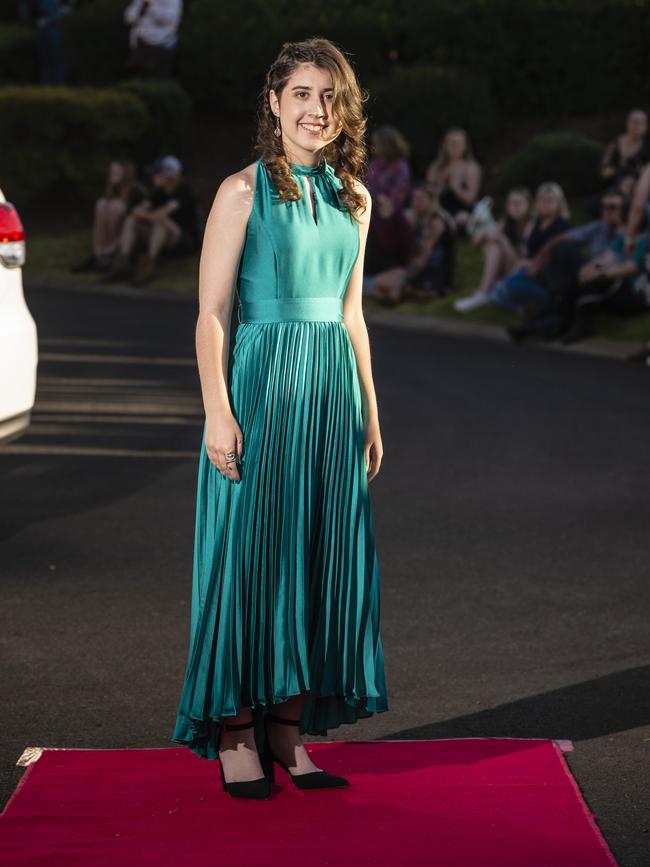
<point x="277" y="131"/>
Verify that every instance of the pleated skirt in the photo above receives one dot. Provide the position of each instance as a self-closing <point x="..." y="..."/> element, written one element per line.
<point x="285" y="587"/>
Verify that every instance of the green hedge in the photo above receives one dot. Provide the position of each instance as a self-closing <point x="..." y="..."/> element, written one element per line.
<point x="225" y="49"/>
<point x="554" y="57"/>
<point x="58" y="140"/>
<point x="423" y="101"/>
<point x="96" y="42"/>
<point x="171" y="112"/>
<point x="542" y="57"/>
<point x="567" y="158"/>
<point x="18" y="56"/>
<point x="61" y="138"/>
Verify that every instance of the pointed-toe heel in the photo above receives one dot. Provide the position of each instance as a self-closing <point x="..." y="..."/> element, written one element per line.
<point x="257" y="789"/>
<point x="312" y="780"/>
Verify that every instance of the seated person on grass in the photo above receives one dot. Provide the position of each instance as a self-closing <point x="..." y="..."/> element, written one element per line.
<point x="427" y="273"/>
<point x="615" y="282"/>
<point x="625" y="156"/>
<point x="560" y="261"/>
<point x="167" y="221"/>
<point x="457" y="174"/>
<point x="389" y="246"/>
<point x="639" y="214"/>
<point x="520" y="290"/>
<point x="122" y="193"/>
<point x="502" y="243"/>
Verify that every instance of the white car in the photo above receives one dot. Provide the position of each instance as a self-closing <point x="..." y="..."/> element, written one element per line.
<point x="18" y="335"/>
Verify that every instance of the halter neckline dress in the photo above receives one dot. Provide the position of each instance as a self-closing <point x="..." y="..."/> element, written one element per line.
<point x="285" y="586"/>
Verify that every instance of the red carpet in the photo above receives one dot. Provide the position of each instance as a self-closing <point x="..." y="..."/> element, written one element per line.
<point x="473" y="802"/>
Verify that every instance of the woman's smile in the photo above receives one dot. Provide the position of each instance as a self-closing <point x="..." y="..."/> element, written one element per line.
<point x="313" y="129"/>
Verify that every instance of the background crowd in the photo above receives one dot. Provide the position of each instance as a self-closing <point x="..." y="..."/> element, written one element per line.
<point x="556" y="245"/>
<point x="136" y="223"/>
<point x="557" y="275"/>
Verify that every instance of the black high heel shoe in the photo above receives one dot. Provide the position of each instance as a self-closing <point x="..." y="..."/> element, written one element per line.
<point x="260" y="788"/>
<point x="311" y="780"/>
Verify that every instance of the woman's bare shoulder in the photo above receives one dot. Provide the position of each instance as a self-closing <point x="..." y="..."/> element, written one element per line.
<point x="359" y="187"/>
<point x="238" y="184"/>
<point x="234" y="197"/>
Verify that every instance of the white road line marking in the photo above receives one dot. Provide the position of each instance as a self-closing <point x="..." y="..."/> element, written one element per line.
<point x="91" y="451"/>
<point x="56" y="381"/>
<point x="95" y="341"/>
<point x="79" y="357"/>
<point x="137" y="407"/>
<point x="37" y="416"/>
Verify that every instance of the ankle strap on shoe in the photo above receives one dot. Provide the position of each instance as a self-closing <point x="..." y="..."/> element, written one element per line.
<point x="236" y="727"/>
<point x="281" y="719"/>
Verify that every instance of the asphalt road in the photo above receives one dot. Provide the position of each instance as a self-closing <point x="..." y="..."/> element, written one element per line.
<point x="512" y="516"/>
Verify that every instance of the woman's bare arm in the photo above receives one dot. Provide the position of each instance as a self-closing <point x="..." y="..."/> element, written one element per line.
<point x="431" y="175"/>
<point x="607" y="169"/>
<point x="223" y="241"/>
<point x="357" y="329"/>
<point x="639" y="199"/>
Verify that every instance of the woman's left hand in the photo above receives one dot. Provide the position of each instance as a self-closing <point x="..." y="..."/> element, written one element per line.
<point x="374" y="449"/>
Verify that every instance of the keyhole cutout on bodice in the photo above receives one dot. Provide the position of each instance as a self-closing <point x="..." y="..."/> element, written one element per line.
<point x="312" y="200"/>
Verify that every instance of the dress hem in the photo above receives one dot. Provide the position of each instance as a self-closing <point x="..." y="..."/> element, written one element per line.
<point x="204" y="736"/>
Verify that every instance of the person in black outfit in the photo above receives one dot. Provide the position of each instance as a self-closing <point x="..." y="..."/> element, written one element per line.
<point x="615" y="282"/>
<point x="520" y="290"/>
<point x="560" y="263"/>
<point x="625" y="157"/>
<point x="457" y="176"/>
<point x="167" y="221"/>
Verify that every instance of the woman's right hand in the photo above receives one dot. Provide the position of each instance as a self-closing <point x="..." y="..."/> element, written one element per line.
<point x="222" y="436"/>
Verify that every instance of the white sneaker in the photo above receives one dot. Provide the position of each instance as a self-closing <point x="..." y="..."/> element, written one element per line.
<point x="471" y="302"/>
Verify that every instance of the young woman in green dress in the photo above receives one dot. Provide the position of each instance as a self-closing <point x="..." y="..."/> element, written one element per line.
<point x="284" y="636"/>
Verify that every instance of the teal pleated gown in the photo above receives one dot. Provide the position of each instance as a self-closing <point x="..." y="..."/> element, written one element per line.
<point x="285" y="590"/>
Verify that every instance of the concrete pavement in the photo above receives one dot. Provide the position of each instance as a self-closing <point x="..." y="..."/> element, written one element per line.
<point x="511" y="515"/>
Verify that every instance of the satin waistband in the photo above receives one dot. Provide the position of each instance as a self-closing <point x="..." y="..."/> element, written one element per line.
<point x="291" y="309"/>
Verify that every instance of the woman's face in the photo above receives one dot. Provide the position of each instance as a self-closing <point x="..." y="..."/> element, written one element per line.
<point x="547" y="204"/>
<point x="516" y="206"/>
<point x="116" y="172"/>
<point x="637" y="123"/>
<point x="307" y="117"/>
<point x="456" y="145"/>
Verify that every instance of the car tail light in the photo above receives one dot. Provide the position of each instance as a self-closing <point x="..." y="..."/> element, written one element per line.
<point x="12" y="237"/>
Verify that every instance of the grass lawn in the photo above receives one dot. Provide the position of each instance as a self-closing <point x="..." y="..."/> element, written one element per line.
<point x="50" y="255"/>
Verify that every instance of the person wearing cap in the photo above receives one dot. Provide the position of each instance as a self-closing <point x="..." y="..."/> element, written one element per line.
<point x="167" y="221"/>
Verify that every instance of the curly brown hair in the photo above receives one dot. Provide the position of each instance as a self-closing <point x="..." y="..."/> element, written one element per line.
<point x="347" y="152"/>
